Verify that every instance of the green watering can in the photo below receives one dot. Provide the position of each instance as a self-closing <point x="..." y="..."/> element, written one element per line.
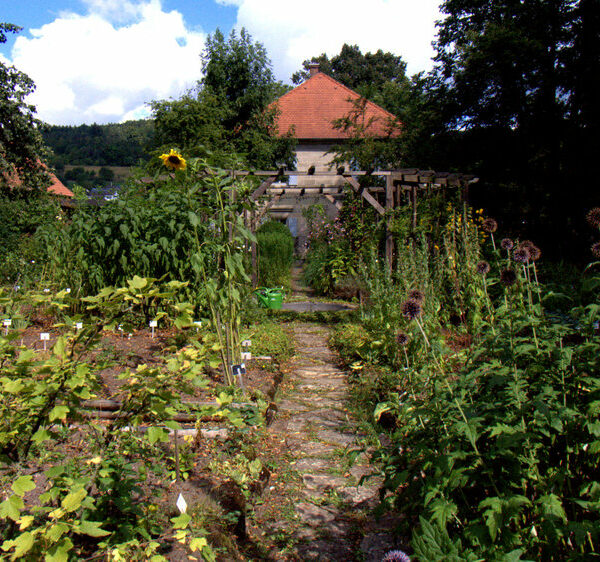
<point x="269" y="298"/>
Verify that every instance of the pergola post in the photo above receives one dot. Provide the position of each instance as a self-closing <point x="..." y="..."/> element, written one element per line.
<point x="389" y="206"/>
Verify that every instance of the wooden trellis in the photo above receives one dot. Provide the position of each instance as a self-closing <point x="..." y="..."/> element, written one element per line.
<point x="382" y="199"/>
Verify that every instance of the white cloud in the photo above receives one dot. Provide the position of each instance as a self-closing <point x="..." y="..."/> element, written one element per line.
<point x="87" y="68"/>
<point x="295" y="31"/>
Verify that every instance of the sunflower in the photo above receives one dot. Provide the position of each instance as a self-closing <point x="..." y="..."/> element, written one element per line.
<point x="173" y="160"/>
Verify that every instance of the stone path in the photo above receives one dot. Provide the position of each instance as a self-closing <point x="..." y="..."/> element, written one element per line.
<point x="331" y="517"/>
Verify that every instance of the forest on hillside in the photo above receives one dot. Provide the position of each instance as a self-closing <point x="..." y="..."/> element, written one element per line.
<point x="115" y="144"/>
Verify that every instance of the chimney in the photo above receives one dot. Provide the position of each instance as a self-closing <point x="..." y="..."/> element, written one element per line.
<point x="313" y="68"/>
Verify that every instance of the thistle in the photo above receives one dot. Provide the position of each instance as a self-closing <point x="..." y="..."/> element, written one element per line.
<point x="596" y="249"/>
<point x="507" y="244"/>
<point x="508" y="277"/>
<point x="521" y="255"/>
<point x="396" y="556"/>
<point x="490" y="225"/>
<point x="483" y="268"/>
<point x="593" y="217"/>
<point x="416" y="295"/>
<point x="411" y="309"/>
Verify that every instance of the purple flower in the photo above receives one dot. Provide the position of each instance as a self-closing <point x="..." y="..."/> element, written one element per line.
<point x="521" y="255"/>
<point x="483" y="268"/>
<point x="489" y="225"/>
<point x="593" y="217"/>
<point x="401" y="338"/>
<point x="507" y="244"/>
<point x="596" y="249"/>
<point x="395" y="556"/>
<point x="416" y="295"/>
<point x="411" y="309"/>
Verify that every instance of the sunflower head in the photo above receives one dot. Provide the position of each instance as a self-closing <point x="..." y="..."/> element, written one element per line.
<point x="173" y="160"/>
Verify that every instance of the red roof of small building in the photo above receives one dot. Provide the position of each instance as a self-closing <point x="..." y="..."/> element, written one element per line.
<point x="56" y="187"/>
<point x="312" y="107"/>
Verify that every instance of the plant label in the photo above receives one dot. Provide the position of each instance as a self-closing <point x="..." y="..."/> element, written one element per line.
<point x="7" y="322"/>
<point x="247" y="343"/>
<point x="153" y="323"/>
<point x="68" y="290"/>
<point x="198" y="324"/>
<point x="79" y="326"/>
<point x="246" y="355"/>
<point x="181" y="504"/>
<point x="45" y="336"/>
<point x="46" y="290"/>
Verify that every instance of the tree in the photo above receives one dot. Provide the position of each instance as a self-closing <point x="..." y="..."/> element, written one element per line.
<point x="229" y="110"/>
<point x="368" y="74"/>
<point x="22" y="149"/>
<point x="514" y="84"/>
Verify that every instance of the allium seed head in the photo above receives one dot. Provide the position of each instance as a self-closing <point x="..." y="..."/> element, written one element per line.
<point x="508" y="277"/>
<point x="395" y="556"/>
<point x="483" y="268"/>
<point x="593" y="217"/>
<point x="521" y="255"/>
<point x="507" y="244"/>
<point x="535" y="252"/>
<point x="596" y="249"/>
<point x="402" y="338"/>
<point x="489" y="225"/>
<point x="411" y="309"/>
<point x="416" y="295"/>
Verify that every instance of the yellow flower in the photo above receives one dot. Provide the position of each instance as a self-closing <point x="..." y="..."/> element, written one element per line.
<point x="173" y="160"/>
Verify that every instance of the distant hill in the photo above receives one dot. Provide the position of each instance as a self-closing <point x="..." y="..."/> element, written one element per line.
<point x="117" y="144"/>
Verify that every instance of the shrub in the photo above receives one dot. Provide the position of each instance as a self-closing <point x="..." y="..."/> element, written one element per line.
<point x="275" y="254"/>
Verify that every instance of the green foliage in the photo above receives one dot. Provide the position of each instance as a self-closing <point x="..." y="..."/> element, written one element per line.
<point x="272" y="339"/>
<point x="229" y="112"/>
<point x="22" y="149"/>
<point x="275" y="254"/>
<point x="94" y="505"/>
<point x="337" y="248"/>
<point x="114" y="144"/>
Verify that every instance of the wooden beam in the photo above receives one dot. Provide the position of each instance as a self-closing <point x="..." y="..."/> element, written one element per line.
<point x="263" y="187"/>
<point x="366" y="195"/>
<point x="337" y="204"/>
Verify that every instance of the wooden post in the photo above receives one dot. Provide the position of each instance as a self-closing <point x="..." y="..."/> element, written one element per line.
<point x="254" y="250"/>
<point x="414" y="207"/>
<point x="389" y="206"/>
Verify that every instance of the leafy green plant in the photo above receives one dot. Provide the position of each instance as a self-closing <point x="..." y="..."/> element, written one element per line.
<point x="275" y="254"/>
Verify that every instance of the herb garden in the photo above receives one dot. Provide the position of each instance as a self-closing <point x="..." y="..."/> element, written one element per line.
<point x="413" y="373"/>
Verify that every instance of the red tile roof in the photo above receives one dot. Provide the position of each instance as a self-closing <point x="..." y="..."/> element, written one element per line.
<point x="312" y="107"/>
<point x="56" y="187"/>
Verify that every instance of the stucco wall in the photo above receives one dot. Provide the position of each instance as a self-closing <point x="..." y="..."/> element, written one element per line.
<point x="315" y="154"/>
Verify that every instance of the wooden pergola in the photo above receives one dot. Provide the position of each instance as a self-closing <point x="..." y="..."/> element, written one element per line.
<point x="400" y="185"/>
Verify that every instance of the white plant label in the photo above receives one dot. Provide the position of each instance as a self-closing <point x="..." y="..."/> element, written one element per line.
<point x="68" y="290"/>
<point x="45" y="336"/>
<point x="79" y="326"/>
<point x="153" y="323"/>
<point x="181" y="504"/>
<point x="247" y="343"/>
<point x="46" y="290"/>
<point x="246" y="355"/>
<point x="7" y="322"/>
<point x="198" y="324"/>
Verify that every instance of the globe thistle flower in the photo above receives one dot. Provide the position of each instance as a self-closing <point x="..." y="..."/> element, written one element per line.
<point x="483" y="268"/>
<point x="507" y="244"/>
<point x="508" y="277"/>
<point x="416" y="295"/>
<point x="535" y="252"/>
<point x="489" y="225"/>
<point x="521" y="255"/>
<point x="411" y="309"/>
<point x="402" y="338"/>
<point x="173" y="160"/>
<point x="596" y="249"/>
<point x="593" y="217"/>
<point x="395" y="556"/>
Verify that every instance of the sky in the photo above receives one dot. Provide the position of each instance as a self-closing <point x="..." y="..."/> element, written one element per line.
<point x="102" y="61"/>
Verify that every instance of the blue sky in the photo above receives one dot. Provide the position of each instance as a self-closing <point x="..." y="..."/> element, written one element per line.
<point x="103" y="60"/>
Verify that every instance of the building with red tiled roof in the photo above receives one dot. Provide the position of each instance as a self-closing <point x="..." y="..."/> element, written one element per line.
<point x="56" y="187"/>
<point x="310" y="110"/>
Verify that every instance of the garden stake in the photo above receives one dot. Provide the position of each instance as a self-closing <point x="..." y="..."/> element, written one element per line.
<point x="177" y="475"/>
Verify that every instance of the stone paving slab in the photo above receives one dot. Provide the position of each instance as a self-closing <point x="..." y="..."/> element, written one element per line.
<point x="317" y="429"/>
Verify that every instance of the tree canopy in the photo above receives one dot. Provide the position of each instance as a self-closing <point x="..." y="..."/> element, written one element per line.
<point x="228" y="111"/>
<point x="21" y="145"/>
